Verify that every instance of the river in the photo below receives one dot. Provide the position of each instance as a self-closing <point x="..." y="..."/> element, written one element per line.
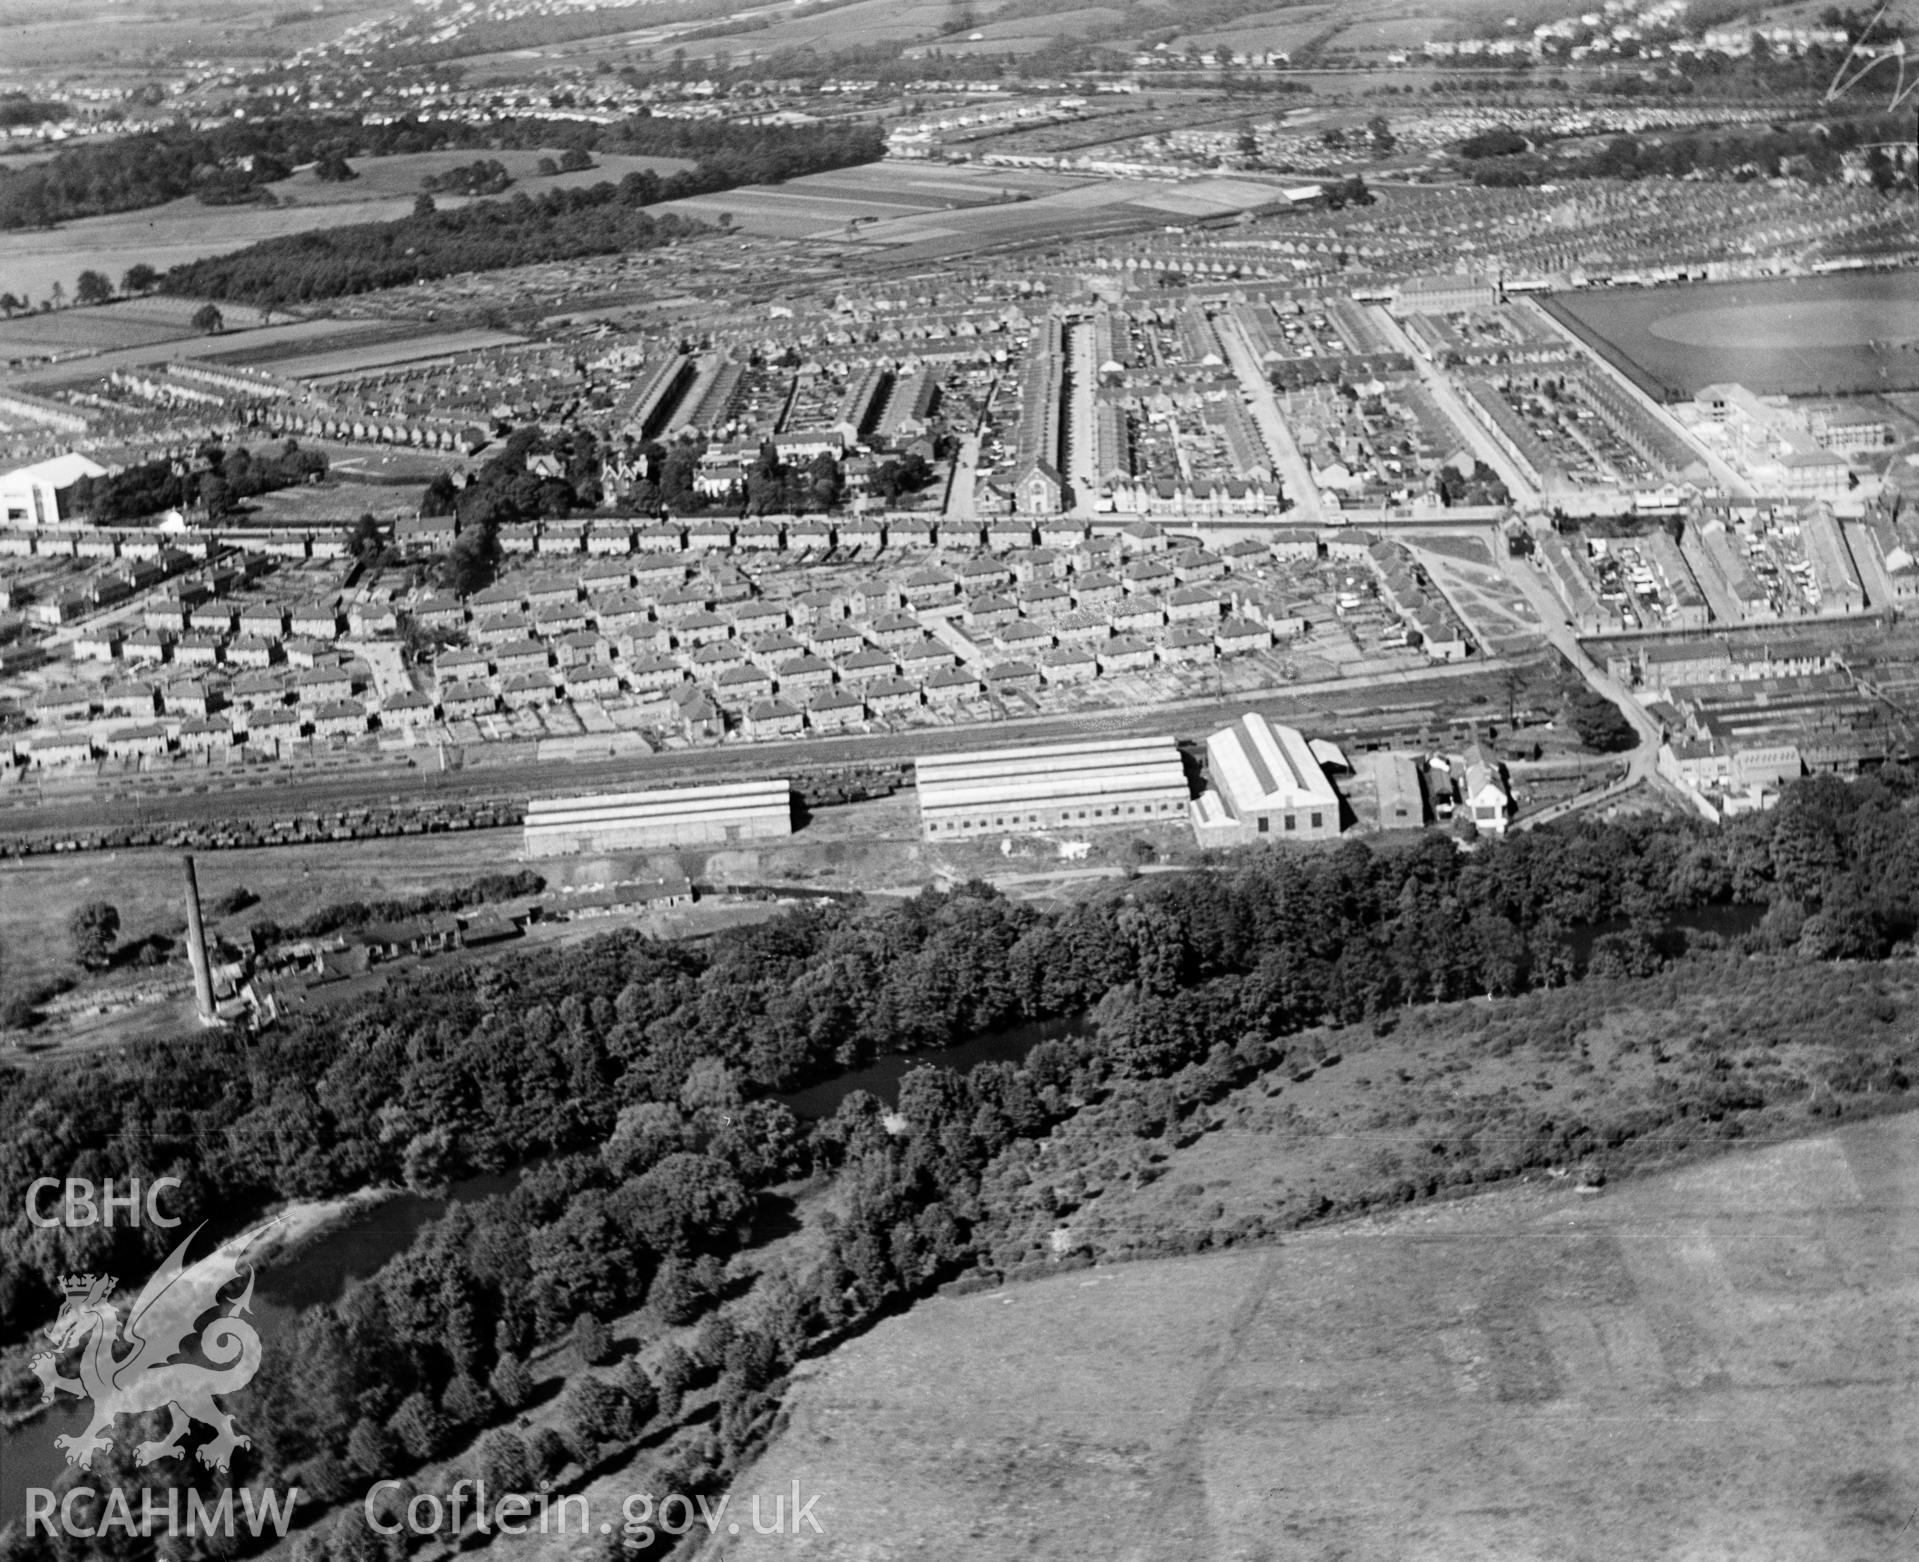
<point x="317" y="1271"/>
<point x="883" y="1078"/>
<point x="320" y="1270"/>
<point x="1729" y="922"/>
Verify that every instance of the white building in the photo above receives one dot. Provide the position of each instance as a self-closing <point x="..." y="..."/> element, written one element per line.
<point x="1487" y="799"/>
<point x="30" y="495"/>
<point x="1266" y="783"/>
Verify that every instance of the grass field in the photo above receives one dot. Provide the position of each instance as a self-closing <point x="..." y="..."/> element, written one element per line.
<point x="386" y="178"/>
<point x="185" y="230"/>
<point x="386" y="354"/>
<point x="925" y="212"/>
<point x="841" y="27"/>
<point x="41" y="36"/>
<point x="1711" y="1365"/>
<point x="1076" y="211"/>
<point x="162" y="236"/>
<point x="1025" y="34"/>
<point x="131" y="322"/>
<point x="1285" y="37"/>
<point x="386" y="482"/>
<point x="257" y="345"/>
<point x="1810" y="336"/>
<point x="39" y="894"/>
<point x="821" y="205"/>
<point x="1402" y="33"/>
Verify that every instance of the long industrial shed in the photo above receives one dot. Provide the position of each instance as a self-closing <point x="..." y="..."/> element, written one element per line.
<point x="668" y="816"/>
<point x="1105" y="782"/>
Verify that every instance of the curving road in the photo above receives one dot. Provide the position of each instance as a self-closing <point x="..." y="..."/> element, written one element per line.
<point x="1642" y="763"/>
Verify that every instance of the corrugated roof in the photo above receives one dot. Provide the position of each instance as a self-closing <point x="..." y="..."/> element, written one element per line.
<point x="1260" y="766"/>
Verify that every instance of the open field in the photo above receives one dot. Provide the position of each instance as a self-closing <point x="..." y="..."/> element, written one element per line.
<point x="1025" y="34"/>
<point x="165" y="236"/>
<point x="924" y="220"/>
<point x="1402" y="33"/>
<point x="1074" y="22"/>
<point x="38" y="895"/>
<point x="1286" y="32"/>
<point x="262" y="341"/>
<point x="127" y="322"/>
<point x="384" y="482"/>
<point x="41" y="36"/>
<point x="1712" y="1364"/>
<point x="135" y="1004"/>
<point x="185" y="230"/>
<point x="821" y="205"/>
<point x="343" y="361"/>
<point x="386" y="178"/>
<point x="1799" y="336"/>
<point x="842" y="27"/>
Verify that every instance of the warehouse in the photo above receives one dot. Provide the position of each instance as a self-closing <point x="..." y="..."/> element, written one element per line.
<point x="669" y="816"/>
<point x="1115" y="781"/>
<point x="1266" y="782"/>
<point x="1402" y="802"/>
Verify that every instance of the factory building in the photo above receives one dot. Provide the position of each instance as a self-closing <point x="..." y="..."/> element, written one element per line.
<point x="1266" y="784"/>
<point x="1402" y="801"/>
<point x="31" y="495"/>
<point x="1064" y="786"/>
<point x="667" y="816"/>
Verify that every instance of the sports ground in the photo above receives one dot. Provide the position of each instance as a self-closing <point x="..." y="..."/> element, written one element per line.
<point x="1801" y="336"/>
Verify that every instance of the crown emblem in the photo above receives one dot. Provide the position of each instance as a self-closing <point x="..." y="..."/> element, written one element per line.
<point x="82" y="1285"/>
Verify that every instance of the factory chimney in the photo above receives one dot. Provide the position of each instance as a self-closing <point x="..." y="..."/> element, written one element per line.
<point x="197" y="948"/>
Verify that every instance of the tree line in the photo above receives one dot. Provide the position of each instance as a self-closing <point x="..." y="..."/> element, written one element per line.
<point x="237" y="161"/>
<point x="218" y="480"/>
<point x="1812" y="150"/>
<point x="508" y="490"/>
<point x="604" y="219"/>
<point x="537" y="1053"/>
<point x="640" y="1080"/>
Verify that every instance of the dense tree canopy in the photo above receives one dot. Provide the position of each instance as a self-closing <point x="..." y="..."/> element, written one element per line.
<point x="219" y="479"/>
<point x="637" y="1082"/>
<point x="602" y="219"/>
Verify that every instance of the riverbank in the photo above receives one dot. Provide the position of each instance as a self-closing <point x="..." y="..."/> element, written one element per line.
<point x="295" y="1227"/>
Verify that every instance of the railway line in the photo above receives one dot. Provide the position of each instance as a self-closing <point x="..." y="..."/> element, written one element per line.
<point x="272" y="807"/>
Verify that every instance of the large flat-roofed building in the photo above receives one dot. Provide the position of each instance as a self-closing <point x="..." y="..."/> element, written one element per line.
<point x="1061" y="786"/>
<point x="1266" y="785"/>
<point x="666" y="816"/>
<point x="30" y="495"/>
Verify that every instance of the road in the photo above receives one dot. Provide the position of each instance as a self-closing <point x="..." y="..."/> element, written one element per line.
<point x="1484" y="446"/>
<point x="959" y="489"/>
<point x="1080" y="466"/>
<point x="1287" y="461"/>
<point x="1642" y="763"/>
<point x="1578" y="804"/>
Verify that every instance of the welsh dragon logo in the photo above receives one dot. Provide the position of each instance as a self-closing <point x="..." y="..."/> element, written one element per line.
<point x="157" y="1329"/>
